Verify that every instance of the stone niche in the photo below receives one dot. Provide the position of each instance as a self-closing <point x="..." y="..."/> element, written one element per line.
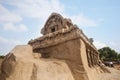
<point x="54" y="23"/>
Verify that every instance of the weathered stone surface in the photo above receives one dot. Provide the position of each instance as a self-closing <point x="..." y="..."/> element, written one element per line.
<point x="22" y="64"/>
<point x="62" y="53"/>
<point x="67" y="42"/>
<point x="0" y="64"/>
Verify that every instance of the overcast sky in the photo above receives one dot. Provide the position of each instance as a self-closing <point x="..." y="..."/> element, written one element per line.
<point x="22" y="20"/>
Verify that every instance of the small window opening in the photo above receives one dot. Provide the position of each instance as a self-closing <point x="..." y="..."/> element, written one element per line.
<point x="53" y="29"/>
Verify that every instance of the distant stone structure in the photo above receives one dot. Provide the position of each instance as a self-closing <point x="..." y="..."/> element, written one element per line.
<point x="63" y="40"/>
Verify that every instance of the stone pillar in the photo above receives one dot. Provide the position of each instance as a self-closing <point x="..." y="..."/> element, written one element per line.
<point x="91" y="57"/>
<point x="88" y="57"/>
<point x="90" y="63"/>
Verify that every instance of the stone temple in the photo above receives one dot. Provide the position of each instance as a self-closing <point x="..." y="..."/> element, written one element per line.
<point x="64" y="40"/>
<point x="62" y="53"/>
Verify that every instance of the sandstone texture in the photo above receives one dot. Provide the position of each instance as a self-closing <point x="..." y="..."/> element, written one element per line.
<point x="114" y="75"/>
<point x="22" y="64"/>
<point x="62" y="53"/>
<point x="0" y="64"/>
<point x="63" y="40"/>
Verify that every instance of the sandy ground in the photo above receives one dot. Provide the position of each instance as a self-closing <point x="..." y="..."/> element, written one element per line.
<point x="114" y="75"/>
<point x="117" y="67"/>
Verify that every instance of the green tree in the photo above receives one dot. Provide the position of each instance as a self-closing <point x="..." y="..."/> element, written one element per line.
<point x="118" y="56"/>
<point x="91" y="40"/>
<point x="1" y="56"/>
<point x="107" y="53"/>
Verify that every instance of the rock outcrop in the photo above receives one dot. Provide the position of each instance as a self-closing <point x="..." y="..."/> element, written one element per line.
<point x="62" y="53"/>
<point x="22" y="64"/>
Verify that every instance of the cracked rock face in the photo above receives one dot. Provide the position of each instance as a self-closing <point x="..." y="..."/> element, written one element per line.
<point x="22" y="64"/>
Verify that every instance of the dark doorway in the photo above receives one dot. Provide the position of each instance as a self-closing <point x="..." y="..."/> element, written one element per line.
<point x="53" y="29"/>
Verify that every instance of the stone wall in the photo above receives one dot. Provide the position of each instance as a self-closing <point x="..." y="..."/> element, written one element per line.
<point x="70" y="52"/>
<point x="73" y="49"/>
<point x="67" y="43"/>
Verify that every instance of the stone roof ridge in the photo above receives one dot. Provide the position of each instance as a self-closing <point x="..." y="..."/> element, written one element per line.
<point x="87" y="40"/>
<point x="51" y="35"/>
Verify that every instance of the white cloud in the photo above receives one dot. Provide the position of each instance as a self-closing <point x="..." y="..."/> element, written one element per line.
<point x="83" y="21"/>
<point x="3" y="40"/>
<point x="7" y="44"/>
<point x="112" y="45"/>
<point x="36" y="8"/>
<point x="22" y="27"/>
<point x="41" y="9"/>
<point x="8" y="20"/>
<point x="9" y="41"/>
<point x="7" y="16"/>
<point x="115" y="46"/>
<point x="99" y="44"/>
<point x="12" y="27"/>
<point x="11" y="19"/>
<point x="9" y="26"/>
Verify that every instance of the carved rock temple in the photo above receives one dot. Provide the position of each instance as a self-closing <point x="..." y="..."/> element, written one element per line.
<point x="65" y="41"/>
<point x="62" y="53"/>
